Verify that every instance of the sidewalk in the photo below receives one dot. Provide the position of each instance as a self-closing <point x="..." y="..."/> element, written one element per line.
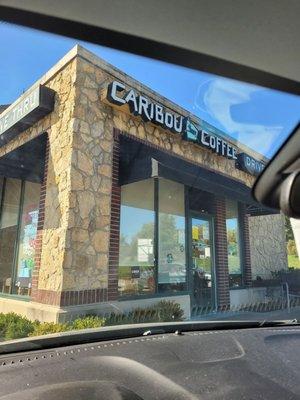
<point x="251" y="316"/>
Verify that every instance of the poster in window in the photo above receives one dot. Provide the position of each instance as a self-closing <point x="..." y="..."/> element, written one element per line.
<point x="28" y="242"/>
<point x="145" y="250"/>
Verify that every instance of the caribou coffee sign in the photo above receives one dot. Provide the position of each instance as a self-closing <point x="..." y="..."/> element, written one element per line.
<point x="153" y="112"/>
<point x="249" y="164"/>
<point x="142" y="106"/>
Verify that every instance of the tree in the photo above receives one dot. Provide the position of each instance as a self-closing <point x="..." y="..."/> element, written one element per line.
<point x="231" y="236"/>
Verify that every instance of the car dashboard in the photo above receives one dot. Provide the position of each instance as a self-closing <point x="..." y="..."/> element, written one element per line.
<point x="259" y="363"/>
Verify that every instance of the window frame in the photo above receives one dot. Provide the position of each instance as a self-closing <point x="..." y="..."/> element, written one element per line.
<point x="16" y="243"/>
<point x="157" y="293"/>
<point x="135" y="296"/>
<point x="241" y="246"/>
<point x="186" y="238"/>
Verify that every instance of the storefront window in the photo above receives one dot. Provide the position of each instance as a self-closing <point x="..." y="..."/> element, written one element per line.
<point x="27" y="238"/>
<point x="19" y="207"/>
<point x="233" y="248"/>
<point x="171" y="237"/>
<point x="136" y="259"/>
<point x="9" y="216"/>
<point x="1" y="188"/>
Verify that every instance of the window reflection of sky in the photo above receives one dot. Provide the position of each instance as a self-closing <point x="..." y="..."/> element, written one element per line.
<point x="132" y="220"/>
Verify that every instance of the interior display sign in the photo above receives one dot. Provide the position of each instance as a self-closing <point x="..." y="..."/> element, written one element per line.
<point x="135" y="272"/>
<point x="150" y="111"/>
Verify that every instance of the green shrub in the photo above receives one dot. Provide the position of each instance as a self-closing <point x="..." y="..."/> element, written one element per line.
<point x="90" y="321"/>
<point x="163" y="311"/>
<point x="46" y="328"/>
<point x="85" y="322"/>
<point x="14" y="326"/>
<point x="169" y="311"/>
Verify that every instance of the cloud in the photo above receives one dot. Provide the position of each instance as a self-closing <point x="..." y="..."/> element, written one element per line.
<point x="218" y="96"/>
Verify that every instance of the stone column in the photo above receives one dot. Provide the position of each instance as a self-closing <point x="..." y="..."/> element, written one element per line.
<point x="55" y="194"/>
<point x="85" y="266"/>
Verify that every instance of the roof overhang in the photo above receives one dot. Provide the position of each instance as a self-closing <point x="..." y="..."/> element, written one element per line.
<point x="27" y="161"/>
<point x="139" y="161"/>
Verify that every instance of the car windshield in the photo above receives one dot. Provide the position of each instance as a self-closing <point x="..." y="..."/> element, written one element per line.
<point x="125" y="192"/>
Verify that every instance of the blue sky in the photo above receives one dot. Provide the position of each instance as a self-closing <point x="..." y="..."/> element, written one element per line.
<point x="258" y="117"/>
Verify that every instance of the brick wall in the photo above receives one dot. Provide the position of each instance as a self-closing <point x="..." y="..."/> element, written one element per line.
<point x="113" y="261"/>
<point x="40" y="226"/>
<point x="244" y="223"/>
<point x="221" y="254"/>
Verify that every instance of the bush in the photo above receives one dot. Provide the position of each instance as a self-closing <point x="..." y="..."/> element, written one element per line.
<point x="86" y="322"/>
<point x="46" y="328"/>
<point x="169" y="311"/>
<point x="90" y="321"/>
<point x="14" y="326"/>
<point x="163" y="311"/>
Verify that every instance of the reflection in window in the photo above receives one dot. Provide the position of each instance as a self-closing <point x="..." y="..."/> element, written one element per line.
<point x="234" y="260"/>
<point x="17" y="234"/>
<point x="136" y="258"/>
<point x="202" y="262"/>
<point x="171" y="237"/>
<point x="8" y="231"/>
<point x="27" y="238"/>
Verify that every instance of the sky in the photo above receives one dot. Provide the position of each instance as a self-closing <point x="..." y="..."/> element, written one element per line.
<point x="258" y="117"/>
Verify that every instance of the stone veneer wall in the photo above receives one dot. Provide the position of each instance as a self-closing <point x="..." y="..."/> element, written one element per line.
<point x="267" y="245"/>
<point x="92" y="214"/>
<point x="80" y="183"/>
<point x="59" y="127"/>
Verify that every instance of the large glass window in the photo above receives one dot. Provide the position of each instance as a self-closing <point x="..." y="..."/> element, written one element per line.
<point x="233" y="247"/>
<point x="171" y="237"/>
<point x="9" y="215"/>
<point x="136" y="259"/>
<point x="149" y="227"/>
<point x="18" y="228"/>
<point x="27" y="238"/>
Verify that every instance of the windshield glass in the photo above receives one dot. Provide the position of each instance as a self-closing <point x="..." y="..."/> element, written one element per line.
<point x="125" y="191"/>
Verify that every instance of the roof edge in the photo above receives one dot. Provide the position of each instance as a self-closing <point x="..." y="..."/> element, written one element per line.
<point x="94" y="59"/>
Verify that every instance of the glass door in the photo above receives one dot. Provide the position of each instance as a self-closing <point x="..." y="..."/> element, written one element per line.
<point x="202" y="263"/>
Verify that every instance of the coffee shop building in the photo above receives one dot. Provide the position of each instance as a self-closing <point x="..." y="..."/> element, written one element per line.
<point x="112" y="197"/>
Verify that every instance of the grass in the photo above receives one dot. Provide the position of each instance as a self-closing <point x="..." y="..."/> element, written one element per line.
<point x="293" y="261"/>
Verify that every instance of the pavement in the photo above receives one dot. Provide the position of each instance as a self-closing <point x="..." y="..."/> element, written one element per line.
<point x="294" y="313"/>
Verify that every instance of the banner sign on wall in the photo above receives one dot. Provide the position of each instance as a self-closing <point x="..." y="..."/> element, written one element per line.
<point x="249" y="164"/>
<point x="155" y="113"/>
<point x="24" y="112"/>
